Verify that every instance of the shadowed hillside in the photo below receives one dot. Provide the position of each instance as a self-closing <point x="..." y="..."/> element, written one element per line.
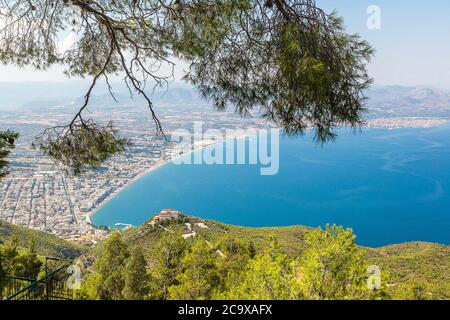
<point x="45" y="244"/>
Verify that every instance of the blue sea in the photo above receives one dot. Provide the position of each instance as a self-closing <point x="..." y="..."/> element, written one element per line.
<point x="389" y="186"/>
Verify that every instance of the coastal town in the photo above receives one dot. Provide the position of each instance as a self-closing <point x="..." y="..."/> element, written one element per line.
<point x="41" y="195"/>
<point x="403" y="122"/>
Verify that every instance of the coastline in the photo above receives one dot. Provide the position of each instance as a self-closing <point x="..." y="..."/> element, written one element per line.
<point x="379" y="123"/>
<point x="153" y="167"/>
<point x="405" y="122"/>
<point x="158" y="164"/>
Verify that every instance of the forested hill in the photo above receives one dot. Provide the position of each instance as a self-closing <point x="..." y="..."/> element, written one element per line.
<point x="414" y="270"/>
<point x="45" y="244"/>
<point x="226" y="255"/>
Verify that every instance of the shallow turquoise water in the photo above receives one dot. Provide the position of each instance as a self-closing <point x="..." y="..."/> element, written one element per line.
<point x="390" y="186"/>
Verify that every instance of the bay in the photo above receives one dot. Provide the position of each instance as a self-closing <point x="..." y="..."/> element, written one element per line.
<point x="389" y="186"/>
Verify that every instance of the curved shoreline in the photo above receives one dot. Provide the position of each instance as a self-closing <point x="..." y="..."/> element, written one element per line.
<point x="206" y="143"/>
<point x="158" y="164"/>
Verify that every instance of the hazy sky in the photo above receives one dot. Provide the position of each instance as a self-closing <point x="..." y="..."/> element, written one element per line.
<point x="412" y="44"/>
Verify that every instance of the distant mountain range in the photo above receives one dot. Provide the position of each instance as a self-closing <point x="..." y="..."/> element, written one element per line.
<point x="399" y="101"/>
<point x="50" y="94"/>
<point x="384" y="101"/>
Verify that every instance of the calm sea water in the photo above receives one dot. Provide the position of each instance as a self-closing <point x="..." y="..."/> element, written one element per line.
<point x="390" y="186"/>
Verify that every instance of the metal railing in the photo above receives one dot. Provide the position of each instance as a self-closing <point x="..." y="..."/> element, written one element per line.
<point x="14" y="285"/>
<point x="52" y="286"/>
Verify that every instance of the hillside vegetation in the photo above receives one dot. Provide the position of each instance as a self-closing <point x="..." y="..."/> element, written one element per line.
<point x="414" y="269"/>
<point x="44" y="243"/>
<point x="408" y="271"/>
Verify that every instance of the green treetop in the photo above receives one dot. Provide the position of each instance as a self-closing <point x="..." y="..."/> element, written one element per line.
<point x="27" y="264"/>
<point x="332" y="266"/>
<point x="136" y="277"/>
<point x="268" y="276"/>
<point x="199" y="273"/>
<point x="7" y="140"/>
<point x="110" y="266"/>
<point x="167" y="257"/>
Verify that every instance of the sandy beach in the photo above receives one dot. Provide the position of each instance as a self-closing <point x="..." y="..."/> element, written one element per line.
<point x="153" y="167"/>
<point x="196" y="147"/>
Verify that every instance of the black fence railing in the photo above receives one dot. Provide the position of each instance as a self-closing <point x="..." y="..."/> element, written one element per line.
<point x="14" y="285"/>
<point x="52" y="286"/>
